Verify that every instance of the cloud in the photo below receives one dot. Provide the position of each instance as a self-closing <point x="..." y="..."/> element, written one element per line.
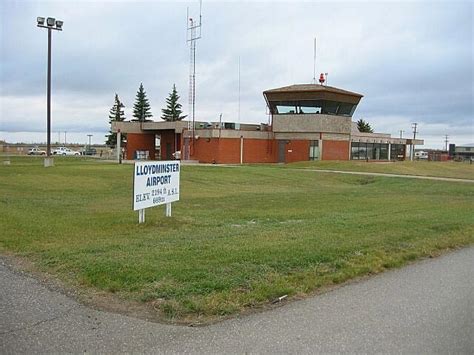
<point x="412" y="62"/>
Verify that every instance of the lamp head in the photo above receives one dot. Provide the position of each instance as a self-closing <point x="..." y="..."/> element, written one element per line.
<point x="40" y="21"/>
<point x="50" y="21"/>
<point x="59" y="24"/>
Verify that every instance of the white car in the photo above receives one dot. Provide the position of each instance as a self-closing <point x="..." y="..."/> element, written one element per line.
<point x="36" y="151"/>
<point x="65" y="151"/>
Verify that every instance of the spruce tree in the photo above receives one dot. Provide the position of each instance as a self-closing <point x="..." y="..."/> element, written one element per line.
<point x="116" y="113"/>
<point x="173" y="111"/>
<point x="141" y="108"/>
<point x="364" y="127"/>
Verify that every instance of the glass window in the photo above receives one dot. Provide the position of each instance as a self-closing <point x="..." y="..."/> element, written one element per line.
<point x="345" y="109"/>
<point x="330" y="107"/>
<point x="397" y="152"/>
<point x="383" y="151"/>
<point x="282" y="109"/>
<point x="355" y="150"/>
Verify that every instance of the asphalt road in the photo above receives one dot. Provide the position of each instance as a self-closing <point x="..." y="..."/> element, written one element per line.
<point x="427" y="307"/>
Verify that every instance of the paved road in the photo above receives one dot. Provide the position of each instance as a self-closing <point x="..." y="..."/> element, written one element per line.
<point x="427" y="307"/>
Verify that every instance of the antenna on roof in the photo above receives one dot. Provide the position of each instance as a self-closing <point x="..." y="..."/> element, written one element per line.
<point x="314" y="62"/>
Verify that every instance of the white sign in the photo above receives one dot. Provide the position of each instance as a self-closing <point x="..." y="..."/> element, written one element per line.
<point x="155" y="183"/>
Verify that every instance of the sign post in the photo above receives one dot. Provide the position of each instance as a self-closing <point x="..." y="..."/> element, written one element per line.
<point x="155" y="183"/>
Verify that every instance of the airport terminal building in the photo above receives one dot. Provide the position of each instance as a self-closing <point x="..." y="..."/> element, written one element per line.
<point x="307" y="122"/>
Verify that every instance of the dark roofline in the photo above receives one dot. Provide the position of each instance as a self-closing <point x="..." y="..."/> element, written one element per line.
<point x="311" y="88"/>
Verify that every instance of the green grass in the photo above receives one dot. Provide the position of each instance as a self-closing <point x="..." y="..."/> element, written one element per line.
<point x="450" y="169"/>
<point x="239" y="238"/>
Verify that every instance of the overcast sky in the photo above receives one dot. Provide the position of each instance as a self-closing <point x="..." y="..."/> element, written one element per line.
<point x="412" y="61"/>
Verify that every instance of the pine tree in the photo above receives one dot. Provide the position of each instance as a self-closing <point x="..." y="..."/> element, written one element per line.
<point x="116" y="113"/>
<point x="364" y="127"/>
<point x="173" y="111"/>
<point x="141" y="108"/>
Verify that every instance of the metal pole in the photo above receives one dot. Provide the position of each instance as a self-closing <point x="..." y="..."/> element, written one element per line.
<point x="168" y="210"/>
<point x="413" y="143"/>
<point x="241" y="149"/>
<point x="141" y="216"/>
<point x="118" y="146"/>
<point x="48" y="99"/>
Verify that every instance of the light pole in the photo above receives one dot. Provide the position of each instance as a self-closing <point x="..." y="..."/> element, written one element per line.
<point x="51" y="24"/>
<point x="90" y="136"/>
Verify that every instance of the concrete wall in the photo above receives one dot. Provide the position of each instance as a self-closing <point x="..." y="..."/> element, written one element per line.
<point x="311" y="123"/>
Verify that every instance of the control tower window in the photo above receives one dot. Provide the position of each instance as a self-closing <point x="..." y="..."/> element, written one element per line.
<point x="346" y="109"/>
<point x="312" y="107"/>
<point x="330" y="107"/>
<point x="282" y="109"/>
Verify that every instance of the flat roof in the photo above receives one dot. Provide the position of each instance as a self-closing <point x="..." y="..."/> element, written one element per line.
<point x="316" y="88"/>
<point x="310" y="92"/>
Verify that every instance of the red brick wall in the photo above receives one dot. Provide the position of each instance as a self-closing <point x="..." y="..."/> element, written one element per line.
<point x="297" y="150"/>
<point x="205" y="150"/>
<point x="335" y="150"/>
<point x="227" y="150"/>
<point x="140" y="141"/>
<point x="259" y="151"/>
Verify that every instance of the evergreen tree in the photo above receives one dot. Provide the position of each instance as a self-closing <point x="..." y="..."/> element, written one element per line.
<point x="141" y="108"/>
<point x="364" y="127"/>
<point x="116" y="113"/>
<point x="173" y="111"/>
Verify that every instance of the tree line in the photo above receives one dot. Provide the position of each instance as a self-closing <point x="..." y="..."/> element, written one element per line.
<point x="142" y="112"/>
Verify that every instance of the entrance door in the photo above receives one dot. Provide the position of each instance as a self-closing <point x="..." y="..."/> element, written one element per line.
<point x="169" y="152"/>
<point x="281" y="151"/>
<point x="314" y="150"/>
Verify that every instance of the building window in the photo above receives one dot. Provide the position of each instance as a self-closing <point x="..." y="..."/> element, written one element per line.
<point x="397" y="152"/>
<point x="371" y="151"/>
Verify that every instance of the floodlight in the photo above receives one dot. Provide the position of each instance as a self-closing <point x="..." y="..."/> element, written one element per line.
<point x="40" y="20"/>
<point x="59" y="24"/>
<point x="50" y="21"/>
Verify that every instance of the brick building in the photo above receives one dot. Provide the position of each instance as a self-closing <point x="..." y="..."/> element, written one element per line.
<point x="307" y="122"/>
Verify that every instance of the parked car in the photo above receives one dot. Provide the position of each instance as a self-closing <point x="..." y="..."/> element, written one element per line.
<point x="36" y="151"/>
<point x="421" y="155"/>
<point x="65" y="151"/>
<point x="89" y="151"/>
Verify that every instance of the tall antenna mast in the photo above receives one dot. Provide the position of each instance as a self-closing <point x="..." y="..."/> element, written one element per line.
<point x="193" y="34"/>
<point x="314" y="62"/>
<point x="238" y="113"/>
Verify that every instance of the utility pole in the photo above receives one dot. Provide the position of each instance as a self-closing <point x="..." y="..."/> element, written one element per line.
<point x="446" y="142"/>
<point x="401" y="134"/>
<point x="413" y="143"/>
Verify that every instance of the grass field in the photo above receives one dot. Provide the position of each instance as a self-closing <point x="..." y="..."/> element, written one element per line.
<point x="239" y="238"/>
<point x="451" y="169"/>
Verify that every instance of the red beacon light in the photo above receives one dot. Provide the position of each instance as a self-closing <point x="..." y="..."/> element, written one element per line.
<point x="321" y="79"/>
